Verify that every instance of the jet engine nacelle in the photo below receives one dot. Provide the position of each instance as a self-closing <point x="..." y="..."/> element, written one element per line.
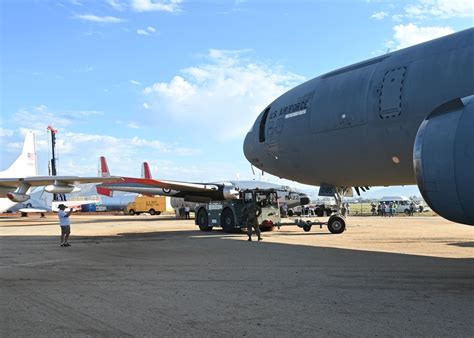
<point x="61" y="189"/>
<point x="18" y="197"/>
<point x="230" y="192"/>
<point x="444" y="160"/>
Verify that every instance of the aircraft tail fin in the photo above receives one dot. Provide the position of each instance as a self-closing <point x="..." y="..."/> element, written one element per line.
<point x="146" y="173"/>
<point x="25" y="164"/>
<point x="103" y="167"/>
<point x="103" y="172"/>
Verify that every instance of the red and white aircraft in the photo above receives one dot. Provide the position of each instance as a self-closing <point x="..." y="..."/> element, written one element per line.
<point x="191" y="191"/>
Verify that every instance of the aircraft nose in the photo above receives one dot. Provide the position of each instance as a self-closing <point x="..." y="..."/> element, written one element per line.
<point x="249" y="147"/>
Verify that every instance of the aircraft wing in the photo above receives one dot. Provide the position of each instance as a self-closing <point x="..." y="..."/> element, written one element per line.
<point x="130" y="183"/>
<point x="35" y="181"/>
<point x="215" y="191"/>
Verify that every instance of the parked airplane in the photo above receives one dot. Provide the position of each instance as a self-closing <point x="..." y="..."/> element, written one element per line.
<point x="189" y="191"/>
<point x="16" y="181"/>
<point x="402" y="118"/>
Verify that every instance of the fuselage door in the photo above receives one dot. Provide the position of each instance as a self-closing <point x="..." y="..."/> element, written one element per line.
<point x="390" y="104"/>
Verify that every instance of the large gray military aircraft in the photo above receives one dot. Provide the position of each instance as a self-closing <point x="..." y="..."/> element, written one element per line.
<point x="401" y="118"/>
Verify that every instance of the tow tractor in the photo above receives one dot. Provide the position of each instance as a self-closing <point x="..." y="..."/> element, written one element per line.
<point x="228" y="214"/>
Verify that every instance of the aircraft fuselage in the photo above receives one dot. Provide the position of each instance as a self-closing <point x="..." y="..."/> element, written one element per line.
<point x="356" y="126"/>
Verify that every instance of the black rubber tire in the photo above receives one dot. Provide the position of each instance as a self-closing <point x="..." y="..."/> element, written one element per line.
<point x="158" y="212"/>
<point x="290" y="213"/>
<point x="203" y="220"/>
<point x="228" y="221"/>
<point x="407" y="212"/>
<point x="336" y="224"/>
<point x="307" y="228"/>
<point x="152" y="212"/>
<point x="131" y="212"/>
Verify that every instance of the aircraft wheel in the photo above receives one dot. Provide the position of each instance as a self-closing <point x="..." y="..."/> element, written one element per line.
<point x="227" y="221"/>
<point x="290" y="213"/>
<point x="336" y="224"/>
<point x="307" y="228"/>
<point x="152" y="211"/>
<point x="131" y="212"/>
<point x="202" y="220"/>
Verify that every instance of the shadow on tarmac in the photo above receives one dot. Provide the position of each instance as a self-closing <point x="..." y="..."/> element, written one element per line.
<point x="463" y="244"/>
<point x="198" y="283"/>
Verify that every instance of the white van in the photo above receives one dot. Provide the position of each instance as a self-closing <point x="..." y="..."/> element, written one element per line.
<point x="403" y="203"/>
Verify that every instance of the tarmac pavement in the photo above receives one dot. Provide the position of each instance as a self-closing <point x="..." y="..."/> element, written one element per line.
<point x="153" y="276"/>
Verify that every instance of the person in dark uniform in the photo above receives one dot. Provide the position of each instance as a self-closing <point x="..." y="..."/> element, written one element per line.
<point x="250" y="213"/>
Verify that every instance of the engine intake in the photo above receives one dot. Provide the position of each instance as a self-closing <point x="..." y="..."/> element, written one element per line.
<point x="18" y="197"/>
<point x="443" y="158"/>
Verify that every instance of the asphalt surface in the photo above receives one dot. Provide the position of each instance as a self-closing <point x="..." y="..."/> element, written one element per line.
<point x="150" y="276"/>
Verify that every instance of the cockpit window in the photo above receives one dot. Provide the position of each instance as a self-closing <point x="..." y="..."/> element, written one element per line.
<point x="263" y="121"/>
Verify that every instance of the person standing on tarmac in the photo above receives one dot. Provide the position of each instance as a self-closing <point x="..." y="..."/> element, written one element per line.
<point x="250" y="213"/>
<point x="65" y="224"/>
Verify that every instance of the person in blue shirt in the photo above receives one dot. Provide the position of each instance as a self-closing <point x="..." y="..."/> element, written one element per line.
<point x="65" y="225"/>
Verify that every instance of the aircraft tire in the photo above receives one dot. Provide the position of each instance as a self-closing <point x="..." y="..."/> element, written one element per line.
<point x="307" y="228"/>
<point x="152" y="212"/>
<point x="336" y="224"/>
<point x="290" y="213"/>
<point x="228" y="221"/>
<point x="202" y="220"/>
<point x="131" y="212"/>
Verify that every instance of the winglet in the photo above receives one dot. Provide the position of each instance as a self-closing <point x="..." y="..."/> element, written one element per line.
<point x="146" y="173"/>
<point x="103" y="167"/>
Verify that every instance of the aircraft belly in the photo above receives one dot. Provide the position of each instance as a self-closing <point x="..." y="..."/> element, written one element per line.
<point x="344" y="158"/>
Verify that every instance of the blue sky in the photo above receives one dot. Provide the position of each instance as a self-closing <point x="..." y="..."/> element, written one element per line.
<point x="178" y="83"/>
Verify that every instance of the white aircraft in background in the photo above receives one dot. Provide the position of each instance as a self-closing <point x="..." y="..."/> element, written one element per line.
<point x="17" y="181"/>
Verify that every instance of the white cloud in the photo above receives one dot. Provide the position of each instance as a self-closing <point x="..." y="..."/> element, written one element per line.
<point x="133" y="125"/>
<point x="5" y="132"/>
<point x="100" y="19"/>
<point x="411" y="34"/>
<point x="158" y="5"/>
<point x="40" y="117"/>
<point x="146" y="105"/>
<point x="379" y="15"/>
<point x="148" y="31"/>
<point x="223" y="96"/>
<point x="115" y="4"/>
<point x="78" y="153"/>
<point x="135" y="82"/>
<point x="440" y="8"/>
<point x="397" y="17"/>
